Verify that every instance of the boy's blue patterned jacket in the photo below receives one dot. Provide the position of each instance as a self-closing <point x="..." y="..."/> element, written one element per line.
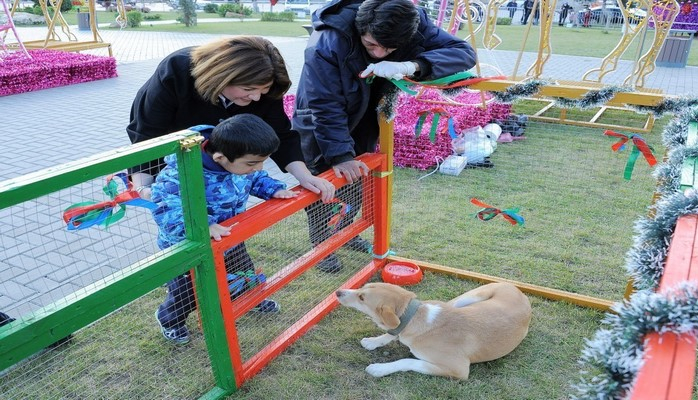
<point x="226" y="195"/>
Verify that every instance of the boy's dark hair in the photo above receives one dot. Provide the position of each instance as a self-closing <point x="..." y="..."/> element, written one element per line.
<point x="391" y="22"/>
<point x="243" y="134"/>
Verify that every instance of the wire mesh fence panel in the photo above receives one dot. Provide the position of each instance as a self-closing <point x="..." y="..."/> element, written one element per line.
<point x="121" y="356"/>
<point x="45" y="262"/>
<point x="275" y="266"/>
<point x="59" y="249"/>
<point x="257" y="329"/>
<point x="577" y="199"/>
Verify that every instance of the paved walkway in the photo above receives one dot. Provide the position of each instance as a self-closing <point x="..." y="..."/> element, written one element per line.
<point x="45" y="128"/>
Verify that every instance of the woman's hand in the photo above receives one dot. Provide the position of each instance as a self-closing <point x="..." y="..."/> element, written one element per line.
<point x="141" y="183"/>
<point x="318" y="185"/>
<point x="309" y="181"/>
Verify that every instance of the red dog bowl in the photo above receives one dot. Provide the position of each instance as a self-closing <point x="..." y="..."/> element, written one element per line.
<point x="402" y="273"/>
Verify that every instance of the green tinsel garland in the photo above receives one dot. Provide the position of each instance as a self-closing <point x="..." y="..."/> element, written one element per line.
<point x="669" y="105"/>
<point x="518" y="91"/>
<point x="389" y="103"/>
<point x="595" y="98"/>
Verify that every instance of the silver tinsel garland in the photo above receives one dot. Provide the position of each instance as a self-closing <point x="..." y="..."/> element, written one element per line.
<point x="615" y="353"/>
<point x="611" y="360"/>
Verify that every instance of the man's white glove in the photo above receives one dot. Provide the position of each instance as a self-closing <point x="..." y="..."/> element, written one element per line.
<point x="390" y="69"/>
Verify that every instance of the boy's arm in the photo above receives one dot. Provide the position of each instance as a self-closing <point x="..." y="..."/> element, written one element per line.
<point x="169" y="214"/>
<point x="264" y="186"/>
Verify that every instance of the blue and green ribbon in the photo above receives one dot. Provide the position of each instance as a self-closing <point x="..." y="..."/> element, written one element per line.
<point x="90" y="213"/>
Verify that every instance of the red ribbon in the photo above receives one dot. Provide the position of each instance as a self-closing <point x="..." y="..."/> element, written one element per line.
<point x="640" y="146"/>
<point x="120" y="198"/>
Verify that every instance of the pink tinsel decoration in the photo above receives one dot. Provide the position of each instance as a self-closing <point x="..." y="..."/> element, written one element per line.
<point x="51" y="68"/>
<point x="420" y="152"/>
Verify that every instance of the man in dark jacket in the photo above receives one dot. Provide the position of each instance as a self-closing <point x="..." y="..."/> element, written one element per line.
<point x="335" y="111"/>
<point x="528" y="7"/>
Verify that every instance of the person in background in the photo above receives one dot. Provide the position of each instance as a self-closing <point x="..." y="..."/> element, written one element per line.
<point x="512" y="6"/>
<point x="528" y="7"/>
<point x="565" y="8"/>
<point x="536" y="15"/>
<point x="355" y="48"/>
<point x="585" y="15"/>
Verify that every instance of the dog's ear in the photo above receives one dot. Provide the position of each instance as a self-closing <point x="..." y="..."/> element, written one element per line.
<point x="388" y="317"/>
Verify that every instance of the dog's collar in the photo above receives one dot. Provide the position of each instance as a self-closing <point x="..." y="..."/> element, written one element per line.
<point x="406" y="317"/>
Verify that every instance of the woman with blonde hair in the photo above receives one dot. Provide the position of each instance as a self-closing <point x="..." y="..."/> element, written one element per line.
<point x="205" y="85"/>
<point x="210" y="83"/>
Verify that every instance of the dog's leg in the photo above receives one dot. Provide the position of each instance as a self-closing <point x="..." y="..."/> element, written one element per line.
<point x="372" y="343"/>
<point x="413" y="364"/>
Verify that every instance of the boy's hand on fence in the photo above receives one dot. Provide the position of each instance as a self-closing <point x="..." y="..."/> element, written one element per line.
<point x="217" y="231"/>
<point x="284" y="194"/>
<point x="351" y="170"/>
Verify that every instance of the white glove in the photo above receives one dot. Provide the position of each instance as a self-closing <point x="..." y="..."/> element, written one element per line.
<point x="390" y="69"/>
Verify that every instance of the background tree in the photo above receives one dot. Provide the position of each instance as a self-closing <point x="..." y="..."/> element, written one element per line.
<point x="187" y="11"/>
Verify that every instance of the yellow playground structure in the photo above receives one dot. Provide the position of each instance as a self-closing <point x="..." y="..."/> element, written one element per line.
<point x="59" y="36"/>
<point x="660" y="17"/>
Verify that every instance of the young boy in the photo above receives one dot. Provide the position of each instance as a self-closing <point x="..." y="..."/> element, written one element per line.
<point x="232" y="155"/>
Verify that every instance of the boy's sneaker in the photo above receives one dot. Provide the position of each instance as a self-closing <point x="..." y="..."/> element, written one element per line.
<point x="359" y="244"/>
<point x="267" y="306"/>
<point x="176" y="335"/>
<point x="330" y="264"/>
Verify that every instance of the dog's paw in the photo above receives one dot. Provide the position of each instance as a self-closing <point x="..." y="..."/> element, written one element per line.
<point x="370" y="343"/>
<point x="378" y="370"/>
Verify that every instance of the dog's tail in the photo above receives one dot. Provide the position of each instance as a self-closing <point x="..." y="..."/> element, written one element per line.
<point x="477" y="295"/>
<point x="466" y="301"/>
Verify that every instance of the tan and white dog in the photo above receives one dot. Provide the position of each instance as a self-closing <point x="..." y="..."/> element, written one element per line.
<point x="480" y="325"/>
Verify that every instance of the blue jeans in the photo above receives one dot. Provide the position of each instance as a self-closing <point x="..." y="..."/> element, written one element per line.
<point x="180" y="300"/>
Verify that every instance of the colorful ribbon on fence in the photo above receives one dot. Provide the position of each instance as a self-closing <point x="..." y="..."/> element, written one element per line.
<point x="89" y="213"/>
<point x="639" y="146"/>
<point x="242" y="281"/>
<point x="488" y="212"/>
<point x="437" y="112"/>
<point x="339" y="211"/>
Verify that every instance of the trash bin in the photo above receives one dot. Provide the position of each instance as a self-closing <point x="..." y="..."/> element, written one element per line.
<point x="674" y="51"/>
<point x="83" y="21"/>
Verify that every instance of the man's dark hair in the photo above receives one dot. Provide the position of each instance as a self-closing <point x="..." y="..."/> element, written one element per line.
<point x="243" y="134"/>
<point x="391" y="22"/>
